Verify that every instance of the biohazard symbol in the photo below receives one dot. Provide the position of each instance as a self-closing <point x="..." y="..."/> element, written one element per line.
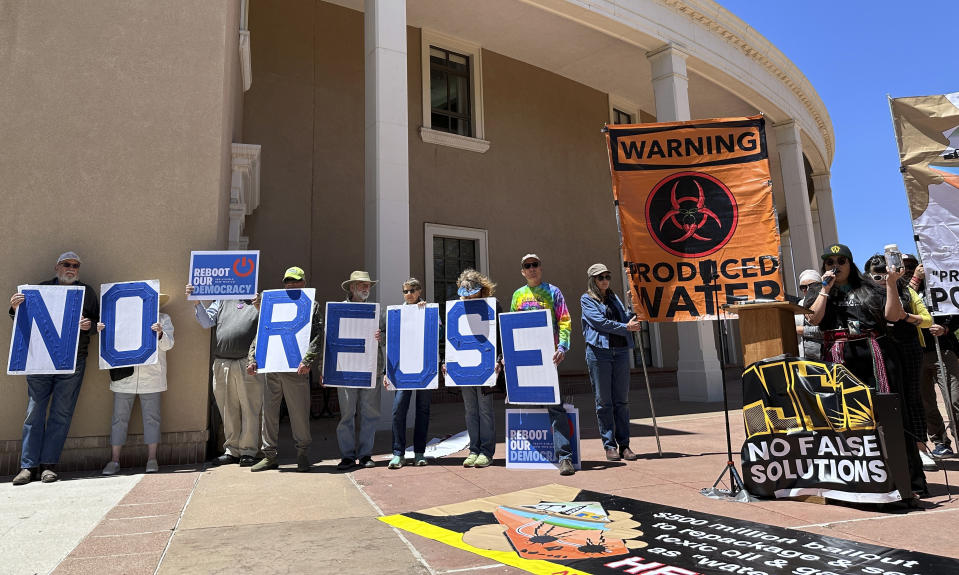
<point x="243" y="262"/>
<point x="691" y="214"/>
<point x="692" y="219"/>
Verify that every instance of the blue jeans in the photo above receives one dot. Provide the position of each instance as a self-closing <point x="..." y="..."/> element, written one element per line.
<point x="559" y="423"/>
<point x="359" y="408"/>
<point x="480" y="423"/>
<point x="421" y="425"/>
<point x="43" y="437"/>
<point x="609" y="373"/>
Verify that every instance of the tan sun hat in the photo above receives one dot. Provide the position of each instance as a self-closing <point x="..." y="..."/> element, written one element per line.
<point x="357" y="276"/>
<point x="595" y="270"/>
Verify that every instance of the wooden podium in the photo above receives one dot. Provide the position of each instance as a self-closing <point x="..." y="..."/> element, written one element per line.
<point x="767" y="329"/>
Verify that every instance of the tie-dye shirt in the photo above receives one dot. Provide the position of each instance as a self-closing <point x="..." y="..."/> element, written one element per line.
<point x="546" y="296"/>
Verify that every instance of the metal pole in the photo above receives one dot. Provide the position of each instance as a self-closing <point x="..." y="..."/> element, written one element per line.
<point x="642" y="349"/>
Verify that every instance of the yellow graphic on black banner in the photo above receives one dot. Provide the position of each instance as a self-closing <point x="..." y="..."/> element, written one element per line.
<point x="799" y="395"/>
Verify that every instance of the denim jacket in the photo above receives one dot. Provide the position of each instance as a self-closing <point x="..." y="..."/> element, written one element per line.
<point x="596" y="327"/>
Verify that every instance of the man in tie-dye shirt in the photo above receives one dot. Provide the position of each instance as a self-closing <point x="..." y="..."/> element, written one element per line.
<point x="537" y="294"/>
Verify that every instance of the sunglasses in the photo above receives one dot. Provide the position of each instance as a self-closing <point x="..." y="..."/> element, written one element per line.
<point x="603" y="278"/>
<point x="414" y="290"/>
<point x="531" y="265"/>
<point x="70" y="266"/>
<point x="878" y="277"/>
<point x="840" y="261"/>
<point x="804" y="287"/>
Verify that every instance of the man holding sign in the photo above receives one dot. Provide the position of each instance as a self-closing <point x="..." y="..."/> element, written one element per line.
<point x="294" y="386"/>
<point x="43" y="436"/>
<point x="537" y="294"/>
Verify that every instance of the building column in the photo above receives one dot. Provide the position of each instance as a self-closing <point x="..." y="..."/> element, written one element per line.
<point x="801" y="232"/>
<point x="387" y="184"/>
<point x="826" y="209"/>
<point x="699" y="374"/>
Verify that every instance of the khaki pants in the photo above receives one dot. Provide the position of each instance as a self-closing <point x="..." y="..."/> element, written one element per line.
<point x="239" y="396"/>
<point x="296" y="389"/>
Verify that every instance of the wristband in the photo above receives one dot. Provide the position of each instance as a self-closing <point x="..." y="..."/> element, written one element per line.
<point x="822" y="293"/>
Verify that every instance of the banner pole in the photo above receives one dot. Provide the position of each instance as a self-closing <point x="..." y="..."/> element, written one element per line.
<point x="642" y="350"/>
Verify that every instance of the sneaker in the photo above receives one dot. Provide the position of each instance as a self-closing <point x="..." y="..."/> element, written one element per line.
<point x="482" y="461"/>
<point x="48" y="475"/>
<point x="264" y="464"/>
<point x="419" y="459"/>
<point x="612" y="454"/>
<point x="152" y="466"/>
<point x="942" y="451"/>
<point x="928" y="463"/>
<point x="566" y="467"/>
<point x="345" y="463"/>
<point x="25" y="476"/>
<point x="303" y="464"/>
<point x="247" y="460"/>
<point x="471" y="460"/>
<point x="367" y="462"/>
<point x="111" y="468"/>
<point x="226" y="459"/>
<point x="627" y="454"/>
<point x="396" y="462"/>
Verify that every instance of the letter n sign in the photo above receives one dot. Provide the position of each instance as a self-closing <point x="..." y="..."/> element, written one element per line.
<point x="46" y="330"/>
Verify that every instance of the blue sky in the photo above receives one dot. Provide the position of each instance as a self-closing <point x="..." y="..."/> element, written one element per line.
<point x="855" y="53"/>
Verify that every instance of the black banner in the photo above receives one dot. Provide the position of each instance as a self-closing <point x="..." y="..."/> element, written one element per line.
<point x="811" y="429"/>
<point x="598" y="533"/>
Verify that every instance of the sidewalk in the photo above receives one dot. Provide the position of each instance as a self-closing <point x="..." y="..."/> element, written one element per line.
<point x="229" y="520"/>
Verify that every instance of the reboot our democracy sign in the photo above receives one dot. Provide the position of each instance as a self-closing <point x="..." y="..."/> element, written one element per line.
<point x="224" y="275"/>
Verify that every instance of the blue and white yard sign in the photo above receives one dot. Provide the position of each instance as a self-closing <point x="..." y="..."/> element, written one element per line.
<point x="471" y="342"/>
<point x="350" y="350"/>
<point x="128" y="311"/>
<point x="46" y="330"/>
<point x="412" y="346"/>
<point x="283" y="331"/>
<point x="224" y="275"/>
<point x="529" y="438"/>
<point x="531" y="377"/>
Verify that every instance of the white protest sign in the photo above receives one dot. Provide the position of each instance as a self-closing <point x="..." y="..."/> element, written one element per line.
<point x="412" y="346"/>
<point x="46" y="330"/>
<point x="350" y="350"/>
<point x="531" y="377"/>
<point x="471" y="342"/>
<point x="128" y="311"/>
<point x="283" y="330"/>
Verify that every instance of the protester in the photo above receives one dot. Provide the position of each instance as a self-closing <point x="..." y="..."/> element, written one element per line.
<point x="294" y="387"/>
<point x="606" y="330"/>
<point x="412" y="295"/>
<point x="944" y="330"/>
<point x="147" y="382"/>
<point x="478" y="400"/>
<point x="537" y="294"/>
<point x="360" y="407"/>
<point x="43" y="435"/>
<point x="907" y="337"/>
<point x="238" y="395"/>
<point x="811" y="343"/>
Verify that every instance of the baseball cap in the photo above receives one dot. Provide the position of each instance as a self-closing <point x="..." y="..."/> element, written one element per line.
<point x="294" y="273"/>
<point x="530" y="257"/>
<point x="837" y="250"/>
<point x="69" y="256"/>
<point x="595" y="270"/>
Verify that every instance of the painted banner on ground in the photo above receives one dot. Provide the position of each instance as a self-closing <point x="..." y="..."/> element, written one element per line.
<point x="811" y="429"/>
<point x="471" y="342"/>
<point x="283" y="330"/>
<point x="412" y="346"/>
<point x="349" y="347"/>
<point x="927" y="132"/>
<point x="224" y="274"/>
<point x="46" y="330"/>
<point x="695" y="200"/>
<point x="529" y="438"/>
<point x="528" y="347"/>
<point x="562" y="530"/>
<point x="128" y="311"/>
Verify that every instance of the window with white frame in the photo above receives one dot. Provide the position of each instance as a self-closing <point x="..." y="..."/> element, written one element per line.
<point x="449" y="251"/>
<point x="452" y="73"/>
<point x="622" y="111"/>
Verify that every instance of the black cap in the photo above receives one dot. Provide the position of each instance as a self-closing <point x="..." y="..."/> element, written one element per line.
<point x="836" y="250"/>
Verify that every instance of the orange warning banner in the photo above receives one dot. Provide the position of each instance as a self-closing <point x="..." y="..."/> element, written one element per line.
<point x="696" y="214"/>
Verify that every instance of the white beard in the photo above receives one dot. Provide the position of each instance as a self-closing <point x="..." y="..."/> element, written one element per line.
<point x="361" y="295"/>
<point x="65" y="280"/>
